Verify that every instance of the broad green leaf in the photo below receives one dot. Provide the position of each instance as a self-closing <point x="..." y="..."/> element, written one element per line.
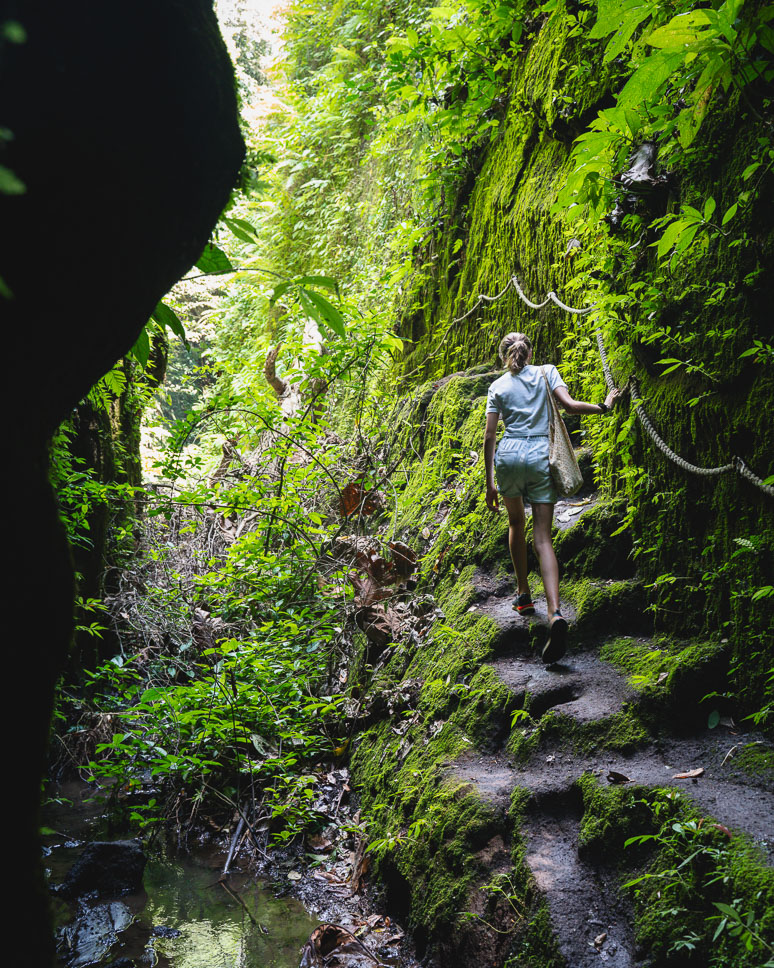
<point x="141" y="349"/>
<point x="709" y="208"/>
<point x="213" y="259"/>
<point x="324" y="311"/>
<point x="686" y="238"/>
<point x="689" y="122"/>
<point x="9" y="183"/>
<point x="165" y="316"/>
<point x="322" y="282"/>
<point x="682" y="31"/>
<point x="648" y="78"/>
<point x="241" y="229"/>
<point x="280" y="290"/>
<point x="633" y="121"/>
<point x="670" y="236"/>
<point x="625" y="32"/>
<point x="611" y="15"/>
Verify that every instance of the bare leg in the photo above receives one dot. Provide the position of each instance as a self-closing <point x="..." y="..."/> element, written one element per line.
<point x="517" y="543"/>
<point x="542" y="518"/>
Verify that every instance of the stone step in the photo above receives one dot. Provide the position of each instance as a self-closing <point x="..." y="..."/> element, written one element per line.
<point x="580" y="686"/>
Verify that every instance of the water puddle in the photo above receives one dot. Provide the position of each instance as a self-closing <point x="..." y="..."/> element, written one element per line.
<point x="184" y="918"/>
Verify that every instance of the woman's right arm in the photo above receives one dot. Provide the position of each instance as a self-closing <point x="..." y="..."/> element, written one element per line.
<point x="490" y="438"/>
<point x="578" y="406"/>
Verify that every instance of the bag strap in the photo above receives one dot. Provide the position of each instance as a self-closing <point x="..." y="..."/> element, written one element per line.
<point x="551" y="402"/>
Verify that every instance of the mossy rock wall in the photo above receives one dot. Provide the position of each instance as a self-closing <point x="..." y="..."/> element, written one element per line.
<point x="704" y="544"/>
<point x="454" y="862"/>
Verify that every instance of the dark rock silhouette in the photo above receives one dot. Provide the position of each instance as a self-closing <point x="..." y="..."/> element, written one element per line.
<point x="111" y="868"/>
<point x="121" y="124"/>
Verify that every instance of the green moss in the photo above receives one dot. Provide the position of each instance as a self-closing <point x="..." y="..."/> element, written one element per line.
<point x="606" y="608"/>
<point x="592" y="548"/>
<point x="430" y="827"/>
<point x="621" y="732"/>
<point x="673" y="677"/>
<point x="693" y="866"/>
<point x="611" y="814"/>
<point x="688" y="865"/>
<point x="756" y="759"/>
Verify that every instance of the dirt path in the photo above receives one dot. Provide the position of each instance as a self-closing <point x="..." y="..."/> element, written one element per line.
<point x="592" y="920"/>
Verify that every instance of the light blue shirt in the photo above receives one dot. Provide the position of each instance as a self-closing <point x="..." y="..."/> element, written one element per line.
<point x="522" y="400"/>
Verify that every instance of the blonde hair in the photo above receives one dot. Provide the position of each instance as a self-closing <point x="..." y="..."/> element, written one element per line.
<point x="514" y="351"/>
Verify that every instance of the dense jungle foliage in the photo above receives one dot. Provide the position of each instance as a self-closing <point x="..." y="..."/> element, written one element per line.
<point x="620" y="154"/>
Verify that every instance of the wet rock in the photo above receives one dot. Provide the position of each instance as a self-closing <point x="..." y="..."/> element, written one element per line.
<point x="90" y="937"/>
<point x="109" y="868"/>
<point x="639" y="182"/>
<point x="162" y="931"/>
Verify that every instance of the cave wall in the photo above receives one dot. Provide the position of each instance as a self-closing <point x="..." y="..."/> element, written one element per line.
<point x="121" y="125"/>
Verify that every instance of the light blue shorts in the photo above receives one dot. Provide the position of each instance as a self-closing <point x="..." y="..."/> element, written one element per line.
<point x="521" y="468"/>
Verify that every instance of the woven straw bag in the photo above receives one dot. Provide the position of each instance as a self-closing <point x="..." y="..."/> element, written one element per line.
<point x="562" y="461"/>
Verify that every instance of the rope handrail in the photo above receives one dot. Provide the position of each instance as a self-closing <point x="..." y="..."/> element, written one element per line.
<point x="735" y="464"/>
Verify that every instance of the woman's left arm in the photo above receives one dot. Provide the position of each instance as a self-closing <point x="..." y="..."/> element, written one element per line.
<point x="578" y="406"/>
<point x="490" y="438"/>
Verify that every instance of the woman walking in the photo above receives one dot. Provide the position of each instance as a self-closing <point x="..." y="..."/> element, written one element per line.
<point x="520" y="397"/>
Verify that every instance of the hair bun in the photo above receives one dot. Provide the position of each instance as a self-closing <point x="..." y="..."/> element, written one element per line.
<point x="514" y="351"/>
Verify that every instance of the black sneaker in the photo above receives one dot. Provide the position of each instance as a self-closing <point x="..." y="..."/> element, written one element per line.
<point x="556" y="645"/>
<point x="524" y="605"/>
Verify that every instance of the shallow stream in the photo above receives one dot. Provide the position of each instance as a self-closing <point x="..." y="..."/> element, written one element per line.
<point x="184" y="918"/>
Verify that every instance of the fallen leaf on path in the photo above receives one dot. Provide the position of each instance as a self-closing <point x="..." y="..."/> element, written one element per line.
<point x="690" y="774"/>
<point x="600" y="939"/>
<point x="615" y="777"/>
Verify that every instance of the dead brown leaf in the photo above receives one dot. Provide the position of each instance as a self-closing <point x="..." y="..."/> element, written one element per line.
<point x="368" y="590"/>
<point x="404" y="559"/>
<point x="689" y="774"/>
<point x="615" y="777"/>
<point x="379" y="624"/>
<point x="356" y="500"/>
<point x="332" y="940"/>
